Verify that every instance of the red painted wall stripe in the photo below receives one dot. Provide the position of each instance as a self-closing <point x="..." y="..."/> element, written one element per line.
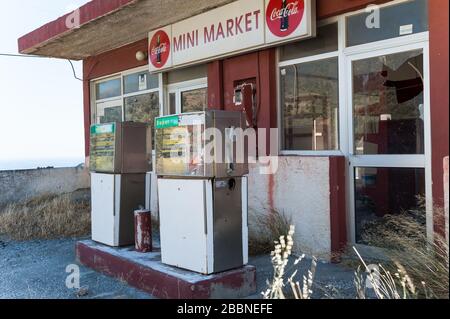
<point x="88" y="13"/>
<point x="338" y="205"/>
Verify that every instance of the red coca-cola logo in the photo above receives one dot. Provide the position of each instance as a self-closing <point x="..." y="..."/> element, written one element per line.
<point x="284" y="16"/>
<point x="159" y="49"/>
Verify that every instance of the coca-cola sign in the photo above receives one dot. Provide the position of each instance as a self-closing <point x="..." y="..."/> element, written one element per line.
<point x="284" y="16"/>
<point x="238" y="27"/>
<point x="159" y="49"/>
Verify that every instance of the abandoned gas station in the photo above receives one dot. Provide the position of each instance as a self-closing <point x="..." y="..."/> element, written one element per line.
<point x="359" y="96"/>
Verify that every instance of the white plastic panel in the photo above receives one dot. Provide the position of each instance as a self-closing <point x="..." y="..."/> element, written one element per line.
<point x="183" y="223"/>
<point x="103" y="203"/>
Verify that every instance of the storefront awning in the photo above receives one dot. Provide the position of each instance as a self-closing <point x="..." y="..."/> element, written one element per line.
<point x="105" y="25"/>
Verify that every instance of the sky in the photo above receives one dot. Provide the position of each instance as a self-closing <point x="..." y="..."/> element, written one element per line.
<point x="41" y="103"/>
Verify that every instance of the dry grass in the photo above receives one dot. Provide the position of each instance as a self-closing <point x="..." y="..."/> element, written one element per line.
<point x="265" y="229"/>
<point x="384" y="283"/>
<point x="46" y="217"/>
<point x="413" y="272"/>
<point x="405" y="238"/>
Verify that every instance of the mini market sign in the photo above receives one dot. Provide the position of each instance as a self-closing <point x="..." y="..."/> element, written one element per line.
<point x="238" y="27"/>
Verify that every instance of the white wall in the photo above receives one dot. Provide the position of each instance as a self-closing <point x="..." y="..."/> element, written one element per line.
<point x="300" y="189"/>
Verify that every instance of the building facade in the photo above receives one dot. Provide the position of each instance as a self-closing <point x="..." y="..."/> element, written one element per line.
<point x="359" y="95"/>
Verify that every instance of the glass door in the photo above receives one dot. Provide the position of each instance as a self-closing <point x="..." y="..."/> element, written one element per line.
<point x="389" y="145"/>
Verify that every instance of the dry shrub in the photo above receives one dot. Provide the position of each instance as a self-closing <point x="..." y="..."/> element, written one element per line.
<point x="265" y="229"/>
<point x="280" y="260"/>
<point x="46" y="217"/>
<point x="404" y="236"/>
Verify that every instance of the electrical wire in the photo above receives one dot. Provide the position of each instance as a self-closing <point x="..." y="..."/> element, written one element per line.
<point x="40" y="57"/>
<point x="74" y="73"/>
<point x="22" y="56"/>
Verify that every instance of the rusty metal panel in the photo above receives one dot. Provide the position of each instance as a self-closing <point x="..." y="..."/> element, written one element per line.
<point x="143" y="231"/>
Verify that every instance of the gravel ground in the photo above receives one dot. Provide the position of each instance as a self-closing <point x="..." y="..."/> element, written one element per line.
<point x="37" y="269"/>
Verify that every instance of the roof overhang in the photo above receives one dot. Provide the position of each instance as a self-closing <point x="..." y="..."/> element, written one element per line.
<point x="105" y="25"/>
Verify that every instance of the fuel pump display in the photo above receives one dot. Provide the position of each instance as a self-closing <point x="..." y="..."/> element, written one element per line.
<point x="103" y="147"/>
<point x="179" y="146"/>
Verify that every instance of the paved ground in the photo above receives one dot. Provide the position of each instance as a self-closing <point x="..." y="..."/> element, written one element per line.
<point x="37" y="269"/>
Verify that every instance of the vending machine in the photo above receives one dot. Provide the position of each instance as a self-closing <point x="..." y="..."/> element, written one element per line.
<point x="120" y="157"/>
<point x="202" y="196"/>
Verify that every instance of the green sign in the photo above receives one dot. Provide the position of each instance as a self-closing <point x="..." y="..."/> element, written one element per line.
<point x="103" y="129"/>
<point x="166" y="122"/>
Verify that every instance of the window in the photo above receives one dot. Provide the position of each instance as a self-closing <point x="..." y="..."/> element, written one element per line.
<point x="309" y="93"/>
<point x="326" y="41"/>
<point x="131" y="96"/>
<point x="187" y="97"/>
<point x="400" y="19"/>
<point x="194" y="100"/>
<point x="140" y="82"/>
<point x="108" y="112"/>
<point x="142" y="108"/>
<point x="108" y="89"/>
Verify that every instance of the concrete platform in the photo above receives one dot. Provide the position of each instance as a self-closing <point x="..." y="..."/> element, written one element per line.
<point x="146" y="272"/>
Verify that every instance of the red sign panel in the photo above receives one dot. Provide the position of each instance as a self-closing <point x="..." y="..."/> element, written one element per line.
<point x="159" y="50"/>
<point x="284" y="16"/>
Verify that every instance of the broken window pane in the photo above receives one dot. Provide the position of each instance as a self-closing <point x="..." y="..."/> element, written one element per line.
<point x="388" y="104"/>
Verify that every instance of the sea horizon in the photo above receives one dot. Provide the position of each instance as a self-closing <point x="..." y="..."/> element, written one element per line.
<point x="27" y="164"/>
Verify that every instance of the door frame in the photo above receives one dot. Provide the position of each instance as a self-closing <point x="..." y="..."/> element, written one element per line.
<point x="409" y="43"/>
